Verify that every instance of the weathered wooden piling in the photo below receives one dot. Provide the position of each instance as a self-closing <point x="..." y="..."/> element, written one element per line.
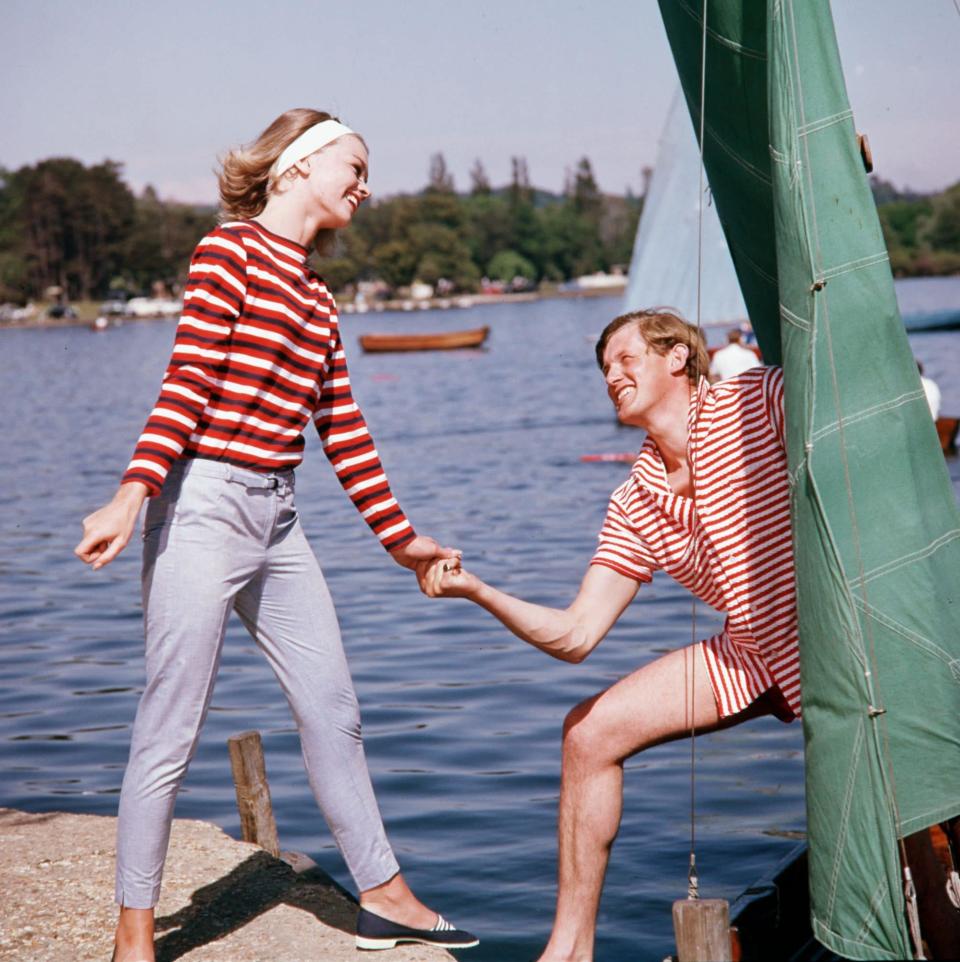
<point x="702" y="930"/>
<point x="257" y="823"/>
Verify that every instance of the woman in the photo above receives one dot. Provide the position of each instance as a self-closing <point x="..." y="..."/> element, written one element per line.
<point x="257" y="354"/>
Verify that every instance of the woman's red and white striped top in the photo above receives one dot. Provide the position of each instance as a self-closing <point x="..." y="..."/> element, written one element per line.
<point x="257" y="355"/>
<point x="731" y="544"/>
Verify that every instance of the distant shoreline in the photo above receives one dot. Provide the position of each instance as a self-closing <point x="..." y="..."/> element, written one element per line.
<point x="404" y="305"/>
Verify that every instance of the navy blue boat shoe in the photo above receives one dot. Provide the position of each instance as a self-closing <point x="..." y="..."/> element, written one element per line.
<point x="374" y="932"/>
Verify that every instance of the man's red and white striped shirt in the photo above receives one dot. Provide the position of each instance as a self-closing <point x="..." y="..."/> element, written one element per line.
<point x="731" y="543"/>
<point x="258" y="355"/>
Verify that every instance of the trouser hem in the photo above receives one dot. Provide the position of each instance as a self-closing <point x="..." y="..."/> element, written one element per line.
<point x="375" y="877"/>
<point x="137" y="899"/>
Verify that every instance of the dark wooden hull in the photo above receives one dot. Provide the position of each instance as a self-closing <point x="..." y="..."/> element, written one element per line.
<point x="947" y="429"/>
<point x="771" y="918"/>
<point x="441" y="341"/>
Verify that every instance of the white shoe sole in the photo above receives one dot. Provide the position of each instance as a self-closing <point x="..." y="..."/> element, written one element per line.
<point x="374" y="945"/>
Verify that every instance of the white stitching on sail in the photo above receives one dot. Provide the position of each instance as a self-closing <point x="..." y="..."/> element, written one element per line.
<point x="868" y="412"/>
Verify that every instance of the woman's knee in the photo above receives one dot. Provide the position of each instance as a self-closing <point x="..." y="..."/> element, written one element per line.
<point x="329" y="713"/>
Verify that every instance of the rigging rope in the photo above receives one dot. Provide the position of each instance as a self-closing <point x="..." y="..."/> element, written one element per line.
<point x="693" y="881"/>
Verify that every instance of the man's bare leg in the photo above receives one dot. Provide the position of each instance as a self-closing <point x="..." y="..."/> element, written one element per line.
<point x="133" y="941"/>
<point x="657" y="703"/>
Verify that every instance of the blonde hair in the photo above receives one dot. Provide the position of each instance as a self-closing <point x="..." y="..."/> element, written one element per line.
<point x="661" y="328"/>
<point x="245" y="178"/>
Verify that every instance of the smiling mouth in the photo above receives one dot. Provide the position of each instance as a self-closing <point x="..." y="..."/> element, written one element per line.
<point x="623" y="394"/>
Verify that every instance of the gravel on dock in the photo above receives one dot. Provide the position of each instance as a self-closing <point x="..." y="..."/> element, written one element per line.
<point x="222" y="900"/>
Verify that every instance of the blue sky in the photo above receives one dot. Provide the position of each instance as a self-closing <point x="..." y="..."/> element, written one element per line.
<point x="166" y="86"/>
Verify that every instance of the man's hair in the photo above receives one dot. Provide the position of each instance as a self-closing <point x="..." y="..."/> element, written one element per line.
<point x="661" y="328"/>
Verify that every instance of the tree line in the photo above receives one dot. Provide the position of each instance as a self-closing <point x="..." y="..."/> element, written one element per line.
<point x="80" y="228"/>
<point x="922" y="231"/>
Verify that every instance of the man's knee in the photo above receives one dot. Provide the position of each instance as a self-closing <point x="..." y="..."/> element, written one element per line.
<point x="583" y="733"/>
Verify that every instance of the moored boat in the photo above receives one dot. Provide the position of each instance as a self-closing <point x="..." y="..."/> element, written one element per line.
<point x="771" y="918"/>
<point x="437" y="341"/>
<point x="873" y="511"/>
<point x="947" y="430"/>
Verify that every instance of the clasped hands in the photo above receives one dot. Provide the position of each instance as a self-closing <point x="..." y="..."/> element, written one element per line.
<point x="439" y="570"/>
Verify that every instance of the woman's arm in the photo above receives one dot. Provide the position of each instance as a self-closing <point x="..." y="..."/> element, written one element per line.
<point x="212" y="302"/>
<point x="350" y="449"/>
<point x="569" y="634"/>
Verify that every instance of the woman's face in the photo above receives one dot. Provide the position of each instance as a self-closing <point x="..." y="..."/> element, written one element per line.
<point x="337" y="181"/>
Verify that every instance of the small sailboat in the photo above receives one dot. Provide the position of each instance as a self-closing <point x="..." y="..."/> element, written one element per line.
<point x="875" y="521"/>
<point x="663" y="268"/>
<point x="439" y="341"/>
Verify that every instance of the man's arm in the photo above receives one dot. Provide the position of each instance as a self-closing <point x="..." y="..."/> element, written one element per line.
<point x="569" y="634"/>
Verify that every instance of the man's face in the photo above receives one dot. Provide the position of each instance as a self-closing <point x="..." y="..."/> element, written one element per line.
<point x="637" y="377"/>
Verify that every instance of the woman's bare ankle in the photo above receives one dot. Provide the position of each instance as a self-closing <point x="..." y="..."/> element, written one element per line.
<point x="133" y="941"/>
<point x="395" y="901"/>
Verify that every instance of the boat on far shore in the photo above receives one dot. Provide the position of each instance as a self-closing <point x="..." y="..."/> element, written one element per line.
<point x="436" y="341"/>
<point x="947" y="430"/>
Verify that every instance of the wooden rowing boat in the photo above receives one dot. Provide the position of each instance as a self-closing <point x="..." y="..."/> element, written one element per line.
<point x="439" y="341"/>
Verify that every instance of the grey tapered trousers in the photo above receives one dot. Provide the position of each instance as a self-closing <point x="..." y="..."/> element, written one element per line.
<point x="216" y="539"/>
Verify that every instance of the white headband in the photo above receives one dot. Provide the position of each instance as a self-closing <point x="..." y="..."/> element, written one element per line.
<point x="309" y="141"/>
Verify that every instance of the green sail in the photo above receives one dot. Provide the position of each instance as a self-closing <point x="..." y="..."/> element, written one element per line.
<point x="876" y="525"/>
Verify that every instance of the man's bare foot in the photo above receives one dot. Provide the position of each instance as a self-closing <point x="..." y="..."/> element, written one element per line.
<point x="134" y="937"/>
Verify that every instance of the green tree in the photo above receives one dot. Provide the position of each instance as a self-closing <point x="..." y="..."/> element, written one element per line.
<point x="943" y="231"/>
<point x="349" y="263"/>
<point x="901" y="221"/>
<point x="439" y="177"/>
<point x="162" y="240"/>
<point x="441" y="253"/>
<point x="396" y="262"/>
<point x="479" y="182"/>
<point x="585" y="195"/>
<point x="74" y="223"/>
<point x="489" y="226"/>
<point x="506" y="265"/>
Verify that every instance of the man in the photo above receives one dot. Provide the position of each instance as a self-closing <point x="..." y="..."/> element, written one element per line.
<point x="932" y="392"/>
<point x="706" y="501"/>
<point x="733" y="359"/>
<point x="719" y="450"/>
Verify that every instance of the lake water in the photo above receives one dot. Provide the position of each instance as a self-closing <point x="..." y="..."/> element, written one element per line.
<point x="461" y="720"/>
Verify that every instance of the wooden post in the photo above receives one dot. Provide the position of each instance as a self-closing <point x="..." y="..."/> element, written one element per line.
<point x="702" y="930"/>
<point x="257" y="823"/>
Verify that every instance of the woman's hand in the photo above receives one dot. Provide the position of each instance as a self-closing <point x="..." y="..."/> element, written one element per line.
<point x="446" y="579"/>
<point x="421" y="549"/>
<point x="107" y="531"/>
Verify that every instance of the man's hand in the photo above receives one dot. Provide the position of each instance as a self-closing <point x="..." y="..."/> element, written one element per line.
<point x="107" y="531"/>
<point x="420" y="549"/>
<point x="446" y="579"/>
